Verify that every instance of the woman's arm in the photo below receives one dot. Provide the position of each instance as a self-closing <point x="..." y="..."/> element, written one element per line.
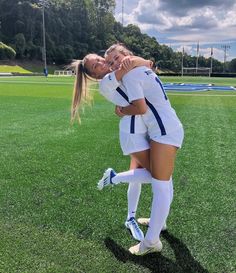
<point x="130" y="62"/>
<point x="136" y="61"/>
<point x="138" y="107"/>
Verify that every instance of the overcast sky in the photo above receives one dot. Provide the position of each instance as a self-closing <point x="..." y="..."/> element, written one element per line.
<point x="179" y="23"/>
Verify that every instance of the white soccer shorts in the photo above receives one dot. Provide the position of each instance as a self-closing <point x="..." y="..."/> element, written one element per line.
<point x="174" y="138"/>
<point x="132" y="143"/>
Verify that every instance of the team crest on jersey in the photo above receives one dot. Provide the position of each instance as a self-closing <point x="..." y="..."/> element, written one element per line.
<point x="148" y="72"/>
<point x="109" y="77"/>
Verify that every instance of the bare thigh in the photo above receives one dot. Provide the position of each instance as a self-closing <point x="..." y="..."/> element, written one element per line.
<point x="140" y="160"/>
<point x="162" y="160"/>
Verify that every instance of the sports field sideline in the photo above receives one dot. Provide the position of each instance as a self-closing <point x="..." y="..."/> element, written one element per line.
<point x="53" y="218"/>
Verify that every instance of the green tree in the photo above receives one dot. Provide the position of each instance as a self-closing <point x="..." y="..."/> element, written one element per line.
<point x="232" y="65"/>
<point x="77" y="27"/>
<point x="20" y="45"/>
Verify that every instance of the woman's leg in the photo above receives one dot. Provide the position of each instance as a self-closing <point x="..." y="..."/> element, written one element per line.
<point x="133" y="192"/>
<point x="139" y="161"/>
<point x="162" y="158"/>
<point x="134" y="175"/>
<point x="142" y="158"/>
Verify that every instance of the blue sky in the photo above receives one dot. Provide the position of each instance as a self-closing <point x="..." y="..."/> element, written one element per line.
<point x="181" y="23"/>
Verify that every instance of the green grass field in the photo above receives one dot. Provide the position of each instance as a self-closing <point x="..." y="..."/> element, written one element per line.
<point x="26" y="67"/>
<point x="53" y="218"/>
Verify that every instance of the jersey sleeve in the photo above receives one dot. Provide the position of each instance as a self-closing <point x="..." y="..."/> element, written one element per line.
<point x="109" y="82"/>
<point x="133" y="83"/>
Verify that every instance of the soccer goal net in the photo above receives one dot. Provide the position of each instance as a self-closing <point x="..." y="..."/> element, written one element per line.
<point x="199" y="71"/>
<point x="63" y="72"/>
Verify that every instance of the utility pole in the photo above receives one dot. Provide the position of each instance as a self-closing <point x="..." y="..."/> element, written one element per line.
<point x="197" y="57"/>
<point x="226" y="48"/>
<point x="182" y="63"/>
<point x="44" y="4"/>
<point x="211" y="58"/>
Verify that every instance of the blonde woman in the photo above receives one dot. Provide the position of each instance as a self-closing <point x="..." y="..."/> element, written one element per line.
<point x="133" y="132"/>
<point x="148" y="98"/>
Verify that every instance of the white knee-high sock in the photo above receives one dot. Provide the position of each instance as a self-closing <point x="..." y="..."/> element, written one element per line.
<point x="160" y="210"/>
<point x="133" y="195"/>
<point x="133" y="176"/>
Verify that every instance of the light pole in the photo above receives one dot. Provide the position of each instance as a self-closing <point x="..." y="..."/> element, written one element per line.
<point x="197" y="57"/>
<point x="211" y="59"/>
<point x="122" y="13"/>
<point x="226" y="48"/>
<point x="182" y="63"/>
<point x="43" y="4"/>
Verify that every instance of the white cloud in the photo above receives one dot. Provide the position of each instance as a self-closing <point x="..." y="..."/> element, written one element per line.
<point x="185" y="22"/>
<point x="199" y="16"/>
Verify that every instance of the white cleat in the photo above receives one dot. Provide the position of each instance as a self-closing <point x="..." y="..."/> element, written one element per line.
<point x="141" y="249"/>
<point x="145" y="222"/>
<point x="134" y="229"/>
<point x="106" y="179"/>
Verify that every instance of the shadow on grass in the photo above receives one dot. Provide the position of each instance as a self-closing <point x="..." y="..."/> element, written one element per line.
<point x="156" y="262"/>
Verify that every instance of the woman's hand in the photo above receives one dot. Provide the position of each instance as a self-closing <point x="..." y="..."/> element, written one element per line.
<point x="118" y="111"/>
<point x="127" y="64"/>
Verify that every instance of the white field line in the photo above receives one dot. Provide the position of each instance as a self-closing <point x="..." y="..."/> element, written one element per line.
<point x="202" y="95"/>
<point x="191" y="94"/>
<point x="93" y="89"/>
<point x="32" y="82"/>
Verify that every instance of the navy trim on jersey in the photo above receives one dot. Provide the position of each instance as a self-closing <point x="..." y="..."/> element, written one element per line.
<point x="132" y="124"/>
<point x="132" y="120"/>
<point x="159" y="82"/>
<point x="122" y="93"/>
<point x="155" y="113"/>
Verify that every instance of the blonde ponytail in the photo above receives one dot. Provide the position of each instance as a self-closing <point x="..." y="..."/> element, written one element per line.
<point x="81" y="92"/>
<point x="80" y="88"/>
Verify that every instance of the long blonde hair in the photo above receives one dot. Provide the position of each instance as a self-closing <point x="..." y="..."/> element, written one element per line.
<point x="81" y="91"/>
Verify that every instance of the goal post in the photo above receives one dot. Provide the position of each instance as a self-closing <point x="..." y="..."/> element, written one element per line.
<point x="196" y="71"/>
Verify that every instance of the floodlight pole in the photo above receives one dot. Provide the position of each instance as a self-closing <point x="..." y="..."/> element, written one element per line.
<point x="197" y="57"/>
<point x="182" y="64"/>
<point x="226" y="48"/>
<point x="44" y="45"/>
<point x="122" y="13"/>
<point x="211" y="65"/>
<point x="43" y="4"/>
<point x="211" y="59"/>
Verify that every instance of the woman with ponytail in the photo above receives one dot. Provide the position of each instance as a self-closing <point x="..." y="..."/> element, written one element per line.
<point x="133" y="132"/>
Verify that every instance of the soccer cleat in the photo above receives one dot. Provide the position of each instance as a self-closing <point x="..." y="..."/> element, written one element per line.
<point x="106" y="179"/>
<point x="141" y="249"/>
<point x="134" y="229"/>
<point x="145" y="222"/>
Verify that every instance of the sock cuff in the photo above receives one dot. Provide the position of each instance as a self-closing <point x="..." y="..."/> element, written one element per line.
<point x="160" y="185"/>
<point x="154" y="180"/>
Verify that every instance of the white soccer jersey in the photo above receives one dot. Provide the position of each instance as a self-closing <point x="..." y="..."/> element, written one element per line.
<point x="108" y="86"/>
<point x="116" y="93"/>
<point x="160" y="118"/>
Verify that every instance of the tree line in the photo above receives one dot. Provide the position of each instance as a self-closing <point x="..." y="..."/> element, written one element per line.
<point x="77" y="27"/>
